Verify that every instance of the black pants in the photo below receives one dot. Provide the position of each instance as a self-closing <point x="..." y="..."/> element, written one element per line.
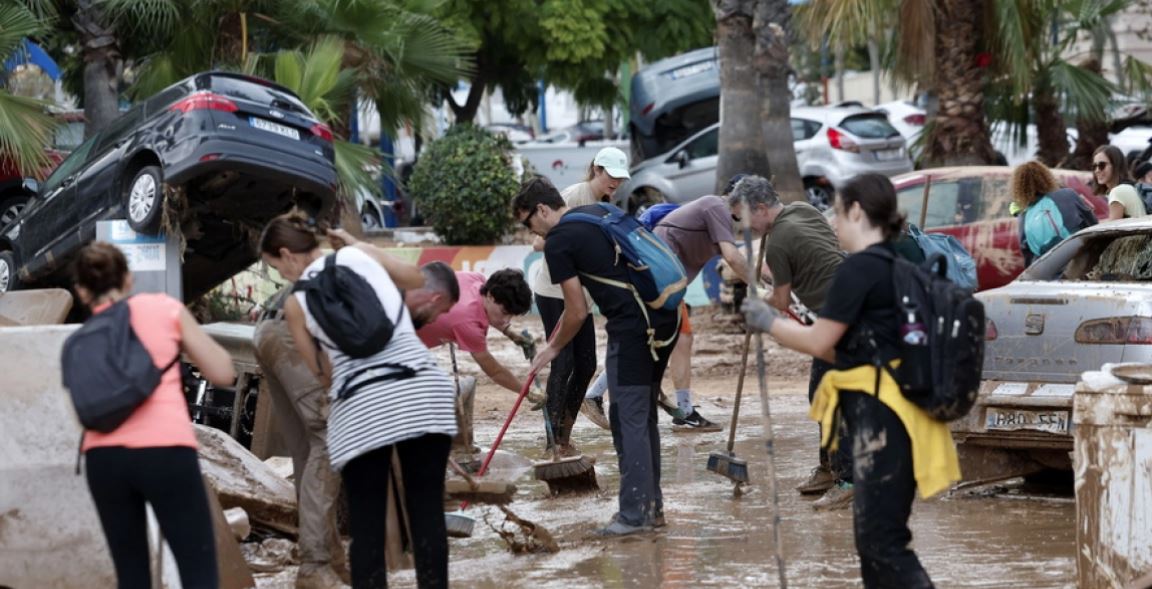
<point x="885" y="487"/>
<point x="122" y="481"/>
<point x="366" y="480"/>
<point x="840" y="463"/>
<point x="634" y="384"/>
<point x="572" y="370"/>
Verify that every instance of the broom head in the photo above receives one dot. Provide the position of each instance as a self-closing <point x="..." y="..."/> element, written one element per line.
<point x="459" y="525"/>
<point x="727" y="465"/>
<point x="567" y="476"/>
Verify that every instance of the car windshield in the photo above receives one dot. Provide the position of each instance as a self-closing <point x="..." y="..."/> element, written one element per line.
<point x="70" y="165"/>
<point x="258" y="93"/>
<point x="869" y="126"/>
<point x="1114" y="256"/>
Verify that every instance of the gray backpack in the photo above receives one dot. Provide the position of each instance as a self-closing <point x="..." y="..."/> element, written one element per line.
<point x="107" y="370"/>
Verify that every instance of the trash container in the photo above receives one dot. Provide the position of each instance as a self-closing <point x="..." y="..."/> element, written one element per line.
<point x="1113" y="463"/>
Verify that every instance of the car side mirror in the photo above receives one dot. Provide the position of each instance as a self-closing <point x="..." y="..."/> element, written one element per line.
<point x="682" y="158"/>
<point x="31" y="186"/>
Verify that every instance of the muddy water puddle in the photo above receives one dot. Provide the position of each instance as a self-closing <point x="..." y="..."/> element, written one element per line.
<point x="714" y="540"/>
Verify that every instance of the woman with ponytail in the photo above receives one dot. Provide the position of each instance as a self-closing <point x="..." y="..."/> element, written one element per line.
<point x="896" y="447"/>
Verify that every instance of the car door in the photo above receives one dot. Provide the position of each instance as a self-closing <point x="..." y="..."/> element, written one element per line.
<point x="38" y="228"/>
<point x="697" y="176"/>
<point x="803" y="131"/>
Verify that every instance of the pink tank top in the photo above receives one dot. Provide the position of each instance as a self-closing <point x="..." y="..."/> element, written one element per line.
<point x="161" y="420"/>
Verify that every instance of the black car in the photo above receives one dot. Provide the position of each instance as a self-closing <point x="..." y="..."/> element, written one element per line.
<point x="216" y="155"/>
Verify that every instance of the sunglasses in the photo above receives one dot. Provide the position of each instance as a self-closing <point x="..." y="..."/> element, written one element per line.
<point x="527" y="221"/>
<point x="1099" y="165"/>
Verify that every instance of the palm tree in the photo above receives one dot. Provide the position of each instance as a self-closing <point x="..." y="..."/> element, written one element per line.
<point x="25" y="129"/>
<point x="741" y="140"/>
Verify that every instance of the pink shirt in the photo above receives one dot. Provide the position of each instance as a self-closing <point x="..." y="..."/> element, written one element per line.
<point x="466" y="323"/>
<point x="162" y="419"/>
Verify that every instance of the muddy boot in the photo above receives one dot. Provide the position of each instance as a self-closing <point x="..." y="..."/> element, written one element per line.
<point x="318" y="576"/>
<point x="838" y="497"/>
<point x="464" y="450"/>
<point x="818" y="482"/>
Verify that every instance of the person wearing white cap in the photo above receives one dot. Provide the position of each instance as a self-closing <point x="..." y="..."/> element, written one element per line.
<point x="574" y="368"/>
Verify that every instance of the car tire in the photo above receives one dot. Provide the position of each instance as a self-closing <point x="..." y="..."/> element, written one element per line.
<point x="11" y="207"/>
<point x="144" y="200"/>
<point x="8" y="279"/>
<point x="369" y="220"/>
<point x="818" y="195"/>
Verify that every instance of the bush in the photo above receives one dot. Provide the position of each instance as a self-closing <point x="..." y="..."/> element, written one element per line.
<point x="463" y="184"/>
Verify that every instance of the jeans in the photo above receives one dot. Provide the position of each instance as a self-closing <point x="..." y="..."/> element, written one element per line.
<point x="885" y="488"/>
<point x="571" y="370"/>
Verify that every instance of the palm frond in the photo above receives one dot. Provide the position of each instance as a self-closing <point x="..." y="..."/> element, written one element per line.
<point x="157" y="18"/>
<point x="317" y="78"/>
<point x="1016" y="42"/>
<point x="914" y="42"/>
<point x="1086" y="93"/>
<point x="25" y="132"/>
<point x="845" y="23"/>
<point x="353" y="162"/>
<point x="16" y="23"/>
<point x="1137" y="75"/>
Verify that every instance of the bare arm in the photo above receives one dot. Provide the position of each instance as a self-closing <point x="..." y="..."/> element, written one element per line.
<point x="538" y="244"/>
<point x="210" y="357"/>
<point x="406" y="275"/>
<point x="575" y="312"/>
<point x="781" y="296"/>
<point x="305" y="345"/>
<point x="1115" y="211"/>
<point x="818" y="340"/>
<point x="736" y="261"/>
<point x="496" y="371"/>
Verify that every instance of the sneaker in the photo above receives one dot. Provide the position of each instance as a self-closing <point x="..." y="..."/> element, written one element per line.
<point x="593" y="409"/>
<point x="838" y="497"/>
<point x="695" y="422"/>
<point x="819" y="481"/>
<point x="619" y="529"/>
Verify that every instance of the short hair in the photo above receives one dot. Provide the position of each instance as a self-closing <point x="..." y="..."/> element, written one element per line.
<point x="440" y="277"/>
<point x="1030" y="181"/>
<point x="1141" y="169"/>
<point x="509" y="289"/>
<point x="732" y="182"/>
<point x="537" y="191"/>
<point x="757" y="190"/>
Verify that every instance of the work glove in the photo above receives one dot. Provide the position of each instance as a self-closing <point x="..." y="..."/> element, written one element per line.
<point x="758" y="315"/>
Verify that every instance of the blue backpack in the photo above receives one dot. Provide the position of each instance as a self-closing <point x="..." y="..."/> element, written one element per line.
<point x="652" y="215"/>
<point x="961" y="268"/>
<point x="657" y="277"/>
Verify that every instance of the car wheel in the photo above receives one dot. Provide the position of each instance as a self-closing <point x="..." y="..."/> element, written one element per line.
<point x="11" y="208"/>
<point x="369" y="220"/>
<point x="642" y="199"/>
<point x="818" y="196"/>
<point x="8" y="280"/>
<point x="144" y="200"/>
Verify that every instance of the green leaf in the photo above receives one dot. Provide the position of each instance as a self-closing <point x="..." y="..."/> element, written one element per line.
<point x="25" y="132"/>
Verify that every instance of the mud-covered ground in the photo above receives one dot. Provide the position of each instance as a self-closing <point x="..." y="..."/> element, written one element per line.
<point x="712" y="539"/>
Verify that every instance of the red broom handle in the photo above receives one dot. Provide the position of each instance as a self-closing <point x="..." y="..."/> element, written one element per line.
<point x="507" y="422"/>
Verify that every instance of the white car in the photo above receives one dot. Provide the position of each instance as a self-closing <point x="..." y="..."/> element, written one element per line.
<point x="907" y="118"/>
<point x="1132" y="141"/>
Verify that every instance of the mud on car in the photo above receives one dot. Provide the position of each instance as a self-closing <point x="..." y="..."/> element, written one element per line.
<point x="1086" y="302"/>
<point x="217" y="155"/>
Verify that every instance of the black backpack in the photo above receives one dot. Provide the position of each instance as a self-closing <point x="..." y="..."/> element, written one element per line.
<point x="347" y="309"/>
<point x="941" y="337"/>
<point x="1145" y="192"/>
<point x="107" y="370"/>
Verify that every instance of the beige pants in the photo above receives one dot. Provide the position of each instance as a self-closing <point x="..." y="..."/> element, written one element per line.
<point x="463" y="445"/>
<point x="300" y="405"/>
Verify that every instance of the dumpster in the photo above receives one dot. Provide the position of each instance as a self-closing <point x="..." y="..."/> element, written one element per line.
<point x="1112" y="432"/>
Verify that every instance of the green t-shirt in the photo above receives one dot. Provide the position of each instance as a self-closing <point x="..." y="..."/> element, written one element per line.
<point x="803" y="252"/>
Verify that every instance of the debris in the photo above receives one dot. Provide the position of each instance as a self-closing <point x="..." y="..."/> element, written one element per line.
<point x="242" y="480"/>
<point x="238" y="522"/>
<point x="526" y="537"/>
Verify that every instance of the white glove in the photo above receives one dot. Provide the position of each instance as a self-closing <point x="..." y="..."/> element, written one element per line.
<point x="758" y="315"/>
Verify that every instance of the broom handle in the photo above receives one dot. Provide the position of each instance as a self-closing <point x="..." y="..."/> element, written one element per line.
<point x="766" y="413"/>
<point x="507" y="422"/>
<point x="747" y="344"/>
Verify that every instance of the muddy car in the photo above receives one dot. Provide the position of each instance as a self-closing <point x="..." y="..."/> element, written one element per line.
<point x="217" y="154"/>
<point x="971" y="204"/>
<point x="1086" y="302"/>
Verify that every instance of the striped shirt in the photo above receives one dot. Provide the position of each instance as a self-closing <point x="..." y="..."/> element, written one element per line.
<point x="381" y="413"/>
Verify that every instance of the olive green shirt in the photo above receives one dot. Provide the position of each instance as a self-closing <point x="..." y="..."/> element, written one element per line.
<point x="803" y="252"/>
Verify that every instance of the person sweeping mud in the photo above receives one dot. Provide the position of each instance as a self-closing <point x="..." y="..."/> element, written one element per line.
<point x="395" y="401"/>
<point x="802" y="255"/>
<point x="580" y="255"/>
<point x="896" y="446"/>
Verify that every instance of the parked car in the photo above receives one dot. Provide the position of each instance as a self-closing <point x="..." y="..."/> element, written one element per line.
<point x="1086" y="302"/>
<point x="1133" y="141"/>
<point x="971" y="203"/>
<point x="833" y="144"/>
<point x="14" y="190"/>
<point x="237" y="150"/>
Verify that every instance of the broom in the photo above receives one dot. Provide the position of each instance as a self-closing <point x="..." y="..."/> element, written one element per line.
<point x="565" y="476"/>
<point x="766" y="414"/>
<point x="726" y="464"/>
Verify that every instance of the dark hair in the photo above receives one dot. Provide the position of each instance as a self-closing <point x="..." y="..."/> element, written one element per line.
<point x="509" y="289"/>
<point x="440" y="277"/>
<point x="1119" y="168"/>
<point x="877" y="198"/>
<point x="291" y="231"/>
<point x="100" y="267"/>
<point x="537" y="191"/>
<point x="732" y="182"/>
<point x="1141" y="169"/>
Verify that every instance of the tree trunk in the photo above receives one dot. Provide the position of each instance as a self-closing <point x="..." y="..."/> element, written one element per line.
<point x="1052" y="138"/>
<point x="770" y="26"/>
<point x="958" y="133"/>
<point x="1090" y="134"/>
<point x="741" y="142"/>
<point x="100" y="49"/>
<point x="466" y="113"/>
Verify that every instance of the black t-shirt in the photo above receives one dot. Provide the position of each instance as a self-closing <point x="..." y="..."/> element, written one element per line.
<point x="578" y="248"/>
<point x="862" y="296"/>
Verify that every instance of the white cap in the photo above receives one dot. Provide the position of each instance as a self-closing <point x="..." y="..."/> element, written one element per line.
<point x="613" y="161"/>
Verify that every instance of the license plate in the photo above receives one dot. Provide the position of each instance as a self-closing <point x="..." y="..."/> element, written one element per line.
<point x="1055" y="422"/>
<point x="274" y="127"/>
<point x="886" y="155"/>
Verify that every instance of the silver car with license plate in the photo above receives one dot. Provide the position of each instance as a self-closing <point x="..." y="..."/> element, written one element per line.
<point x="1086" y="302"/>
